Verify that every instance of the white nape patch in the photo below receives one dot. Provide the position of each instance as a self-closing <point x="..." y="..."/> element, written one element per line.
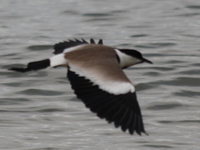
<point x="126" y="60"/>
<point x="116" y="88"/>
<point x="72" y="48"/>
<point x="58" y="60"/>
<point x="112" y="87"/>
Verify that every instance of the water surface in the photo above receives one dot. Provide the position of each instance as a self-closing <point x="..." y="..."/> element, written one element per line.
<point x="39" y="110"/>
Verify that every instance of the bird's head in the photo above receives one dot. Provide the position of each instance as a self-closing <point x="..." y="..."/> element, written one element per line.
<point x="129" y="57"/>
<point x="135" y="55"/>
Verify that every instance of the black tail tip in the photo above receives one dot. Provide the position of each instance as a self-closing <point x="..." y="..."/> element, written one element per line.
<point x="19" y="69"/>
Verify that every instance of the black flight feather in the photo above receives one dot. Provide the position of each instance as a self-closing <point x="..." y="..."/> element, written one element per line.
<point x="100" y="42"/>
<point x="123" y="109"/>
<point x="92" y="41"/>
<point x="60" y="47"/>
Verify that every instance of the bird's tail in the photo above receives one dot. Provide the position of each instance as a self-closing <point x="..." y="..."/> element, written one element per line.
<point x="33" y="66"/>
<point x="54" y="61"/>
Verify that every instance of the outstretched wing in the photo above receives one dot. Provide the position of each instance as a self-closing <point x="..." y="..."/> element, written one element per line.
<point x="122" y="109"/>
<point x="105" y="89"/>
<point x="60" y="47"/>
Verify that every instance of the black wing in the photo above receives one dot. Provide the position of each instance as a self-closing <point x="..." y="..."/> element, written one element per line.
<point x="121" y="109"/>
<point x="60" y="47"/>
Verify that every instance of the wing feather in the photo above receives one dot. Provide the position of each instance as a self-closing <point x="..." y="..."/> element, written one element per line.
<point x="122" y="109"/>
<point x="60" y="47"/>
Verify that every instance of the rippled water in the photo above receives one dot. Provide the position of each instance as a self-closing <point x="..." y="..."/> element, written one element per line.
<point x="39" y="110"/>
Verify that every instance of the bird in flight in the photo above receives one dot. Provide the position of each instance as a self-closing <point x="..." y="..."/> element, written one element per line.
<point x="96" y="76"/>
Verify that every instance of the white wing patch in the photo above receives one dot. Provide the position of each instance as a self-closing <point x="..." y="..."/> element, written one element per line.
<point x="112" y="87"/>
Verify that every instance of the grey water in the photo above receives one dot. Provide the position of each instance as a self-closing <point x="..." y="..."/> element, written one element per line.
<point x="39" y="111"/>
